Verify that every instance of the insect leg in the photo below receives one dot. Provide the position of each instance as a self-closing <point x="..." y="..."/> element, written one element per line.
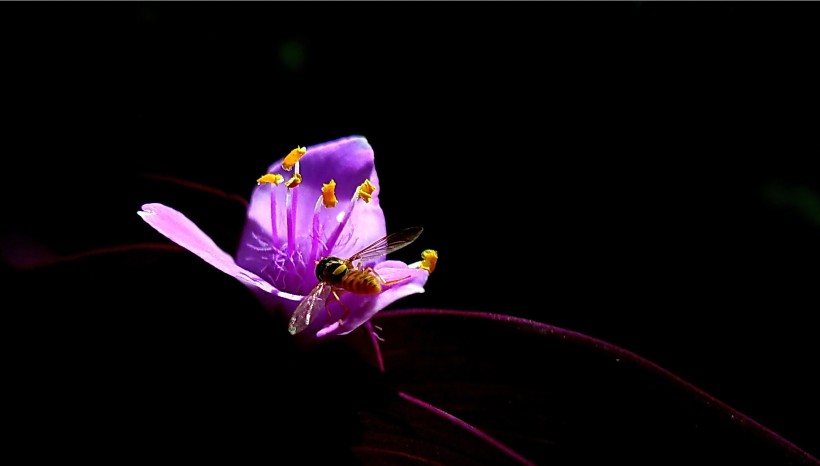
<point x="327" y="306"/>
<point x="347" y="310"/>
<point x="391" y="282"/>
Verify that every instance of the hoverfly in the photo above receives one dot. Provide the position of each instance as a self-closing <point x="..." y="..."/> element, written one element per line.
<point x="338" y="275"/>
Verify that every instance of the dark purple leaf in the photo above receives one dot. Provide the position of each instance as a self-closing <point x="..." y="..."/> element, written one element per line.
<point x="112" y="343"/>
<point x="560" y="397"/>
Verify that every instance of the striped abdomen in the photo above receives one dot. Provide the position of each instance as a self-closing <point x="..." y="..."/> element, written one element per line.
<point x="361" y="282"/>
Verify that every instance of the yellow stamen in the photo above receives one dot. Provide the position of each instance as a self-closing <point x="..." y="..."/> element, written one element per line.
<point x="429" y="260"/>
<point x="293" y="157"/>
<point x="365" y="191"/>
<point x="272" y="178"/>
<point x="294" y="180"/>
<point x="329" y="194"/>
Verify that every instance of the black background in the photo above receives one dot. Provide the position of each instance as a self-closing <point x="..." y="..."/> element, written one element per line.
<point x="642" y="173"/>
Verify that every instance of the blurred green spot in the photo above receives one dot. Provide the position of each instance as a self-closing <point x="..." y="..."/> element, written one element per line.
<point x="799" y="199"/>
<point x="148" y="15"/>
<point x="292" y="55"/>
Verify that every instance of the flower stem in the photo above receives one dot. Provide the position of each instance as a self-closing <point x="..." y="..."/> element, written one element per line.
<point x="468" y="427"/>
<point x="331" y="241"/>
<point x="377" y="349"/>
<point x="316" y="232"/>
<point x="292" y="202"/>
<point x="274" y="239"/>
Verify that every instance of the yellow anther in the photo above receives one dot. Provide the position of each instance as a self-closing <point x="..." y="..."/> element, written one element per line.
<point x="293" y="157"/>
<point x="272" y="178"/>
<point x="294" y="180"/>
<point x="429" y="260"/>
<point x="329" y="194"/>
<point x="365" y="191"/>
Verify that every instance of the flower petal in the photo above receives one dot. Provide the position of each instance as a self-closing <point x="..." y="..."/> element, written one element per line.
<point x="184" y="232"/>
<point x="348" y="161"/>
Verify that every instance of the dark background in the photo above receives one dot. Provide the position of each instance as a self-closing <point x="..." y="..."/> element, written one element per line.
<point x="642" y="173"/>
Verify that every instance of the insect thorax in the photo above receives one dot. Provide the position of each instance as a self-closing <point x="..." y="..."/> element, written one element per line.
<point x="331" y="269"/>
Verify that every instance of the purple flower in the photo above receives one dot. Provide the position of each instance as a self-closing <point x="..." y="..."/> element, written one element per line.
<point x="316" y="202"/>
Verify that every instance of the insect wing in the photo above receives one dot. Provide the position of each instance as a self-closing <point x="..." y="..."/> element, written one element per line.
<point x="309" y="304"/>
<point x="392" y="242"/>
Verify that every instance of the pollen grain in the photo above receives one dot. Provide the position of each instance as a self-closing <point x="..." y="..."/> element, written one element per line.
<point x="365" y="191"/>
<point x="272" y="178"/>
<point x="293" y="157"/>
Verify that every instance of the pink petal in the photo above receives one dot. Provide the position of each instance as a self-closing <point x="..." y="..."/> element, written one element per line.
<point x="348" y="161"/>
<point x="185" y="233"/>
